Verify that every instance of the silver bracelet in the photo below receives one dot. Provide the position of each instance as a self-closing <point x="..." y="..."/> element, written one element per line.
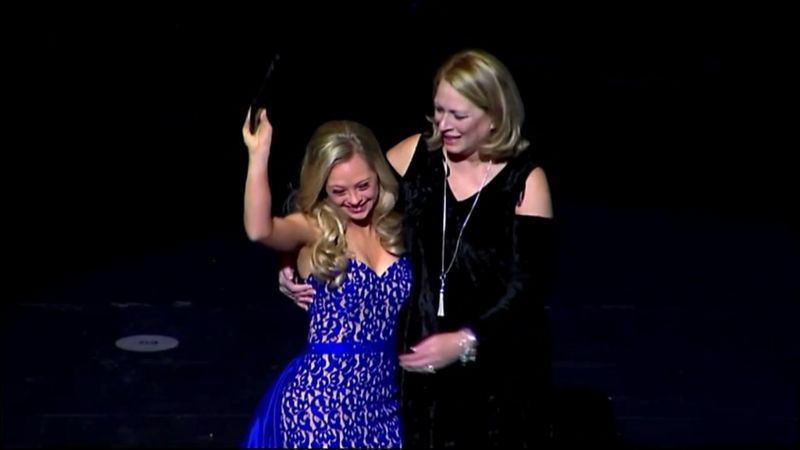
<point x="469" y="348"/>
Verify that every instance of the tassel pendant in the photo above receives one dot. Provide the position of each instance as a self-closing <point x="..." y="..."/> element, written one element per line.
<point x="440" y="313"/>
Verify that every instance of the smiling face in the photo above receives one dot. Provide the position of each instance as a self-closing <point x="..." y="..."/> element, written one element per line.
<point x="353" y="186"/>
<point x="462" y="124"/>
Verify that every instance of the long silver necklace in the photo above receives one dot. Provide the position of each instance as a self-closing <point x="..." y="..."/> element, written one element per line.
<point x="445" y="271"/>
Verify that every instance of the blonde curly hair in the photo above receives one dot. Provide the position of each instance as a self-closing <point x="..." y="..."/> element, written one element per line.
<point x="334" y="142"/>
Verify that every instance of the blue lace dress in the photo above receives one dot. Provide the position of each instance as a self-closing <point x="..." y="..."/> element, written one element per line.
<point x="342" y="390"/>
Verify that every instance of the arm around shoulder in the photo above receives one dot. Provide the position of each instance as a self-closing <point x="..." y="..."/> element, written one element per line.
<point x="401" y="154"/>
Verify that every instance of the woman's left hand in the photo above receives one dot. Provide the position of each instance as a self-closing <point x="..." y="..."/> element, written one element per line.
<point x="434" y="352"/>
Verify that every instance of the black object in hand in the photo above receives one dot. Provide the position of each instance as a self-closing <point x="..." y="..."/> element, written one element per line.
<point x="259" y="101"/>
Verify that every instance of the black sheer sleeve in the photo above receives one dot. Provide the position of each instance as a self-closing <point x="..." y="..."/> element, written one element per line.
<point x="522" y="305"/>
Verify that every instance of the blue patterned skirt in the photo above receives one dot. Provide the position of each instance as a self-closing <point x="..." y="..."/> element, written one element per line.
<point x="332" y="395"/>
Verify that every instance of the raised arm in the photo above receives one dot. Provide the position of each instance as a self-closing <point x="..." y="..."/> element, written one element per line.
<point x="280" y="233"/>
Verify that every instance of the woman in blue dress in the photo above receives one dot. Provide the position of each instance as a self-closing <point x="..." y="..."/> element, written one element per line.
<point x="342" y="390"/>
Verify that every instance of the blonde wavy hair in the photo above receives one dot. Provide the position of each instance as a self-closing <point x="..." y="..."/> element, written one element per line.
<point x="486" y="82"/>
<point x="334" y="142"/>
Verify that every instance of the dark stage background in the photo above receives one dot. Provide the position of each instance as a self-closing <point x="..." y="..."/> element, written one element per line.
<point x="675" y="311"/>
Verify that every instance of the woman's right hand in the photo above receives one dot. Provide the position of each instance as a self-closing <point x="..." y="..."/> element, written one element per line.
<point x="301" y="294"/>
<point x="259" y="141"/>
